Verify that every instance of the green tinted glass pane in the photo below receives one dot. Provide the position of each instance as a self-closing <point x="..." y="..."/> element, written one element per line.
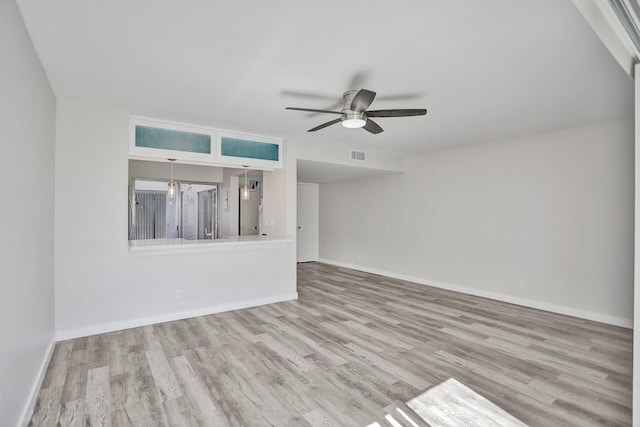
<point x="166" y="139"/>
<point x="249" y="149"/>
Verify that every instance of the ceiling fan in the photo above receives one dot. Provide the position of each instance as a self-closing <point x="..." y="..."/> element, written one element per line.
<point x="354" y="114"/>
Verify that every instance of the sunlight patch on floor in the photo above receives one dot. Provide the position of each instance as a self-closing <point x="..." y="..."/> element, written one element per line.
<point x="452" y="404"/>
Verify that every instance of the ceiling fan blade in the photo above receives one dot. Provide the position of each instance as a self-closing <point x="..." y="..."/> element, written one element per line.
<point x="313" y="110"/>
<point x="397" y="112"/>
<point x="362" y="100"/>
<point x="338" y="104"/>
<point x="372" y="127"/>
<point x="324" y="125"/>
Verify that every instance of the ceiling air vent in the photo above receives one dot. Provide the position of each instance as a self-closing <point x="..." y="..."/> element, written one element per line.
<point x="358" y="156"/>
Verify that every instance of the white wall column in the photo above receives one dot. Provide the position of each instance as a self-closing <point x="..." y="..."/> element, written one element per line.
<point x="27" y="136"/>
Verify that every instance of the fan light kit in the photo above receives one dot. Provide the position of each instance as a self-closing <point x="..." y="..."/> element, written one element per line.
<point x="354" y="122"/>
<point x="354" y="114"/>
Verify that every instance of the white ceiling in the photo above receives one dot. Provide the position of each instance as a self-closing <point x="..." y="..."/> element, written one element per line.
<point x="485" y="70"/>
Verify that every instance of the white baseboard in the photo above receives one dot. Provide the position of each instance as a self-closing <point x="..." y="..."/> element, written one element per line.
<point x="540" y="305"/>
<point x="30" y="405"/>
<point x="203" y="311"/>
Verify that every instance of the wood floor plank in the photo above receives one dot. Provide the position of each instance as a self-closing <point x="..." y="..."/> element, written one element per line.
<point x="318" y="418"/>
<point x="163" y="375"/>
<point x="98" y="399"/>
<point x="352" y="350"/>
<point x="196" y="392"/>
<point x="48" y="407"/>
<point x="76" y="379"/>
<point x="140" y="396"/>
<point x="308" y="345"/>
<point x="72" y="414"/>
<point x="287" y="353"/>
<point x="179" y="413"/>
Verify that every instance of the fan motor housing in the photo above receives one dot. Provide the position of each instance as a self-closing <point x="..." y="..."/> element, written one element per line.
<point x="348" y="98"/>
<point x="353" y="118"/>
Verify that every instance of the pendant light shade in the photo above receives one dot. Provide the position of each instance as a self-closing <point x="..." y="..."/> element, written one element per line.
<point x="172" y="187"/>
<point x="245" y="190"/>
<point x="172" y="190"/>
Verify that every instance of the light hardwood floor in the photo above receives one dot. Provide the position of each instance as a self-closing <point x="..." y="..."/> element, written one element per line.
<point x="351" y="350"/>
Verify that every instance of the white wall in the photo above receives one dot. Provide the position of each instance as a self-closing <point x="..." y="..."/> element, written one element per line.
<point x="555" y="210"/>
<point x="99" y="284"/>
<point x="275" y="211"/>
<point x="27" y="130"/>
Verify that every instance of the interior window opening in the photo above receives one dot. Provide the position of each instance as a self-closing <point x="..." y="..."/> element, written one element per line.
<point x="192" y="213"/>
<point x="229" y="205"/>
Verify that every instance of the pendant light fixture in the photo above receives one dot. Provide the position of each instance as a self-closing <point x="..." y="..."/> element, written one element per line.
<point x="172" y="186"/>
<point x="245" y="190"/>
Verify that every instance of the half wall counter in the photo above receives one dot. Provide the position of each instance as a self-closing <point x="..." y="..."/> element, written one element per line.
<point x="230" y="243"/>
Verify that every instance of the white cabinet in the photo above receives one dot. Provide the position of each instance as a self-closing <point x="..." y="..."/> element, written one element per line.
<point x="157" y="139"/>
